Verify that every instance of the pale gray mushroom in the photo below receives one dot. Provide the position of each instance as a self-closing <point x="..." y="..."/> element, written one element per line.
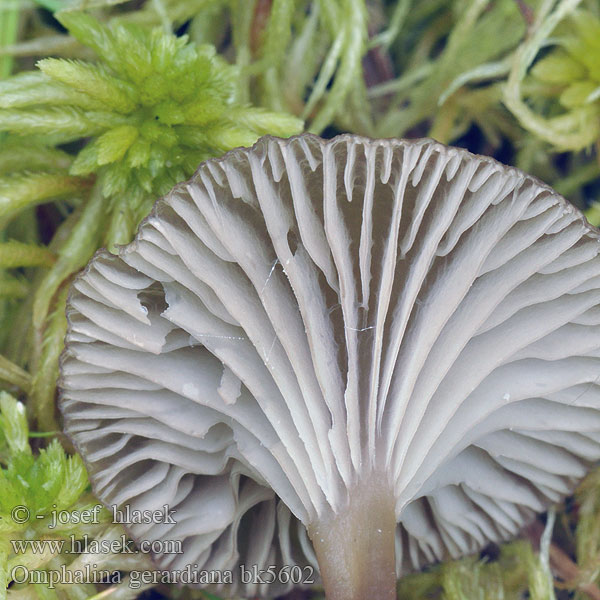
<point x="389" y="348"/>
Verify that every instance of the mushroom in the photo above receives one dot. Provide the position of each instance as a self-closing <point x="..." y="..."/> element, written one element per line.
<point x="387" y="348"/>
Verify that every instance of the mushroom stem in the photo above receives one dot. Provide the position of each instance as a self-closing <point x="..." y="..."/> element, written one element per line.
<point x="355" y="546"/>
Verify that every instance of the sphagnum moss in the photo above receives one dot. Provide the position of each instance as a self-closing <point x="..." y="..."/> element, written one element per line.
<point x="151" y="109"/>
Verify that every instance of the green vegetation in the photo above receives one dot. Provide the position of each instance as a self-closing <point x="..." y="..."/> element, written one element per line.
<point x="106" y="104"/>
<point x="40" y="499"/>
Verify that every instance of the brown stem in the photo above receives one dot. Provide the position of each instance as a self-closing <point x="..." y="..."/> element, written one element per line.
<point x="561" y="564"/>
<point x="355" y="546"/>
<point x="526" y="12"/>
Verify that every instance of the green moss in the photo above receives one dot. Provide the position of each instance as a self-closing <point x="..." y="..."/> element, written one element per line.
<point x="120" y="108"/>
<point x="154" y="107"/>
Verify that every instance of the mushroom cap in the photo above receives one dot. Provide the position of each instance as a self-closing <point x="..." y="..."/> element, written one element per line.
<point x="304" y="311"/>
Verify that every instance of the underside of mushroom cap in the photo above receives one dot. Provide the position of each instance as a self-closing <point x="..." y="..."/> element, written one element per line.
<point x="308" y="316"/>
